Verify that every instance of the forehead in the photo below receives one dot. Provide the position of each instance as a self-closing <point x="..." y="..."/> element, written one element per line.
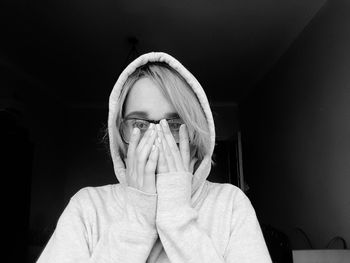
<point x="147" y="97"/>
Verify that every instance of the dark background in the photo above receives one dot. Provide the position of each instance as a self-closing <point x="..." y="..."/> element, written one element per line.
<point x="276" y="71"/>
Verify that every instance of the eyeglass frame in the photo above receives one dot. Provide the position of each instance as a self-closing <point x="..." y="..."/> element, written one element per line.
<point x="149" y="121"/>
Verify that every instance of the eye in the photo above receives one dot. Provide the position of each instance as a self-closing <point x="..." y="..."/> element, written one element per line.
<point x="140" y="124"/>
<point x="174" y="125"/>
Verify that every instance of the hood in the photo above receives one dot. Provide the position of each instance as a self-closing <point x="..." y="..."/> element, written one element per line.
<point x="203" y="169"/>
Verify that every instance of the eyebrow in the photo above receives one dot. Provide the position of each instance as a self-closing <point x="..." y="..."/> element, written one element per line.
<point x="144" y="114"/>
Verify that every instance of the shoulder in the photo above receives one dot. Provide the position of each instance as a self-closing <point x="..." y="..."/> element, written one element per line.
<point x="230" y="193"/>
<point x="93" y="192"/>
<point x="225" y="189"/>
<point x="94" y="198"/>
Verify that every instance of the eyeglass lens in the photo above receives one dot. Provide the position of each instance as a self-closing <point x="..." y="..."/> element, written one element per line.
<point x="129" y="124"/>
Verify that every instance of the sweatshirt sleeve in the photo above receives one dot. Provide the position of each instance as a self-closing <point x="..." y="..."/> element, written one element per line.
<point x="128" y="239"/>
<point x="181" y="236"/>
<point x="246" y="243"/>
<point x="185" y="241"/>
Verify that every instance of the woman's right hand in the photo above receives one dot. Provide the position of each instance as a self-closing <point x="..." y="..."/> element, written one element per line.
<point x="142" y="157"/>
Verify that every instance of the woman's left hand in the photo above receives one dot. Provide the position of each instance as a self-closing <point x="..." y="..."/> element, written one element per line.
<point x="171" y="158"/>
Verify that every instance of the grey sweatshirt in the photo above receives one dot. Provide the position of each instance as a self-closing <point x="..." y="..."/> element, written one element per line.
<point x="189" y="219"/>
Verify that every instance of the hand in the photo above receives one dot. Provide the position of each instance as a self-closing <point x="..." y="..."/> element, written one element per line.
<point x="141" y="163"/>
<point x="171" y="158"/>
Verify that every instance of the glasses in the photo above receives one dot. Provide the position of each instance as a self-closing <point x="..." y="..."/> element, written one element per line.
<point x="127" y="125"/>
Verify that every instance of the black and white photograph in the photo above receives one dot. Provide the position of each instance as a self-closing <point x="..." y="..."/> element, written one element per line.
<point x="175" y="131"/>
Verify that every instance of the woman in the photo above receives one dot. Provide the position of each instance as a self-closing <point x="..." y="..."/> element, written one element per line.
<point x="162" y="136"/>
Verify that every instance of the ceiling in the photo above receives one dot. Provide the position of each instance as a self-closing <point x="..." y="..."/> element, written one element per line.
<point x="74" y="50"/>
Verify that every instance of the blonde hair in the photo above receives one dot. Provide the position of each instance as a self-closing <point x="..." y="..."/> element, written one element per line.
<point x="180" y="95"/>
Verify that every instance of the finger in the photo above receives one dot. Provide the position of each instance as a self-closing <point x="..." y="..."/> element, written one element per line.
<point x="135" y="138"/>
<point x="168" y="156"/>
<point x="149" y="182"/>
<point x="172" y="146"/>
<point x="169" y="137"/>
<point x="162" y="166"/>
<point x="146" y="136"/>
<point x="193" y="162"/>
<point x="185" y="147"/>
<point x="143" y="154"/>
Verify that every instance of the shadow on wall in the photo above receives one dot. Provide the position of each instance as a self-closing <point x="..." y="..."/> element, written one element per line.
<point x="296" y="134"/>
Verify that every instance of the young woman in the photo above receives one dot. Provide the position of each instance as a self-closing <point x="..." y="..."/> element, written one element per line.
<point x="161" y="136"/>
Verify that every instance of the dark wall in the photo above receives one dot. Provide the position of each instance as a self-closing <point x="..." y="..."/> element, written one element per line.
<point x="296" y="134"/>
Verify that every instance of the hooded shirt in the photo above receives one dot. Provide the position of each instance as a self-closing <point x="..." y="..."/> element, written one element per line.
<point x="188" y="219"/>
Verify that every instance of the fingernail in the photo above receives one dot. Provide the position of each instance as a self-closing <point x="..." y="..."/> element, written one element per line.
<point x="151" y="126"/>
<point x="163" y="122"/>
<point x="158" y="127"/>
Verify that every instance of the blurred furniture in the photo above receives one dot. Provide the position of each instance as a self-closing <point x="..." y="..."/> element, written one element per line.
<point x="321" y="256"/>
